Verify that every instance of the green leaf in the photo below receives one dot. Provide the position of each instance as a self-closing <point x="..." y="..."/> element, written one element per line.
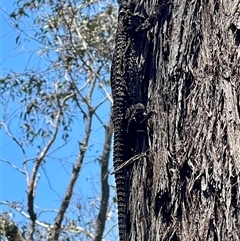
<point x="13" y="15"/>
<point x="21" y="11"/>
<point x="17" y="39"/>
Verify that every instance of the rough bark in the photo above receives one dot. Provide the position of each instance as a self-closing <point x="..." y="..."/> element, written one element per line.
<point x="187" y="188"/>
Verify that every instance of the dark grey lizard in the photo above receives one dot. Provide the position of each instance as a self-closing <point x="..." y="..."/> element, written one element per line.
<point x="121" y="76"/>
<point x="128" y="108"/>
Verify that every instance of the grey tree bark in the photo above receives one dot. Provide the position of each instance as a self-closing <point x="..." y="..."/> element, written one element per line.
<point x="187" y="187"/>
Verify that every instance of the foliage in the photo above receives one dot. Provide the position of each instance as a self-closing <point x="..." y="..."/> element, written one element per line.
<point x="63" y="90"/>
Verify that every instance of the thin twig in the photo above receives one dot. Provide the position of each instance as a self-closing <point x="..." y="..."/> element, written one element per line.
<point x="13" y="166"/>
<point x="129" y="161"/>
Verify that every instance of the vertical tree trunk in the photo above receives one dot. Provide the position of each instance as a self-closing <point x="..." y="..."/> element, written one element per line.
<point x="187" y="187"/>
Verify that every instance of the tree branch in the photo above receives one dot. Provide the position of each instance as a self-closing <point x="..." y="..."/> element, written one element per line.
<point x="101" y="219"/>
<point x="76" y="168"/>
<point x="33" y="182"/>
<point x="13" y="166"/>
<point x="74" y="230"/>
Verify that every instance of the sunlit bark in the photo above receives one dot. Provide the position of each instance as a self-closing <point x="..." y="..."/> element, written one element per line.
<point x="188" y="186"/>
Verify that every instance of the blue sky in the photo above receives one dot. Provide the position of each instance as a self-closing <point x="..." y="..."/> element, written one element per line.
<point x="54" y="178"/>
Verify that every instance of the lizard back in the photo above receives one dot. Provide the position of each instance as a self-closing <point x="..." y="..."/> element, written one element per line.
<point x="119" y="93"/>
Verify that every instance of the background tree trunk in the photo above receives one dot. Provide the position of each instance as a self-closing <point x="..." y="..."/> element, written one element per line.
<point x="187" y="188"/>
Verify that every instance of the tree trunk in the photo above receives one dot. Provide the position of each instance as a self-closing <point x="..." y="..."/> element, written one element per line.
<point x="187" y="186"/>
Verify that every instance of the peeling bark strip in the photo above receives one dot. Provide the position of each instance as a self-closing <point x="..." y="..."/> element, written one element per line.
<point x="189" y="187"/>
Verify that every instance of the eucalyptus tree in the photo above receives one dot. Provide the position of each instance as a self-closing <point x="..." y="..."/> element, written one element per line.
<point x="186" y="187"/>
<point x="56" y="112"/>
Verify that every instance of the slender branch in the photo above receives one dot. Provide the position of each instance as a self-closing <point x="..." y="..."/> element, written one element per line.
<point x="74" y="230"/>
<point x="130" y="161"/>
<point x="101" y="219"/>
<point x="13" y="166"/>
<point x="33" y="182"/>
<point x="22" y="31"/>
<point x="76" y="168"/>
<point x="109" y="97"/>
<point x="8" y="132"/>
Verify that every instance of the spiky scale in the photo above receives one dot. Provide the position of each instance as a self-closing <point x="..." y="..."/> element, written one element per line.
<point x="118" y="84"/>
